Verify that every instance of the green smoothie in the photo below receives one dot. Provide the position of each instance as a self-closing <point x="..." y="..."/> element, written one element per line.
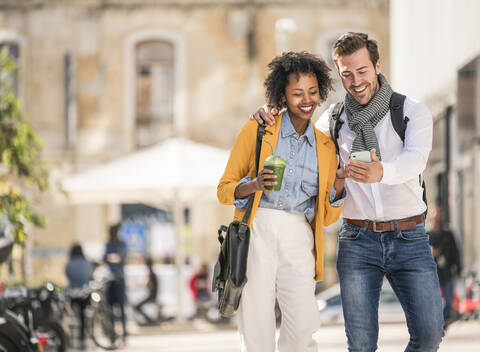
<point x="277" y="165"/>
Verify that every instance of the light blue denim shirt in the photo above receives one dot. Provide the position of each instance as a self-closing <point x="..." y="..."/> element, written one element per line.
<point x="300" y="179"/>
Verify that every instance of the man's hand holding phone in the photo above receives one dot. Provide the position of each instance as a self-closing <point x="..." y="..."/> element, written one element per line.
<point x="363" y="156"/>
<point x="365" y="167"/>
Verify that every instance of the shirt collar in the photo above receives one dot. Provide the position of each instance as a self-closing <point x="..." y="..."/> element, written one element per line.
<point x="288" y="130"/>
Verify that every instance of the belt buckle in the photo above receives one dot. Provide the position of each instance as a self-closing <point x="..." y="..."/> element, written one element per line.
<point x="375" y="227"/>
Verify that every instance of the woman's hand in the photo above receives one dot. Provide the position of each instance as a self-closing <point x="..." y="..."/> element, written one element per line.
<point x="342" y="172"/>
<point x="339" y="183"/>
<point x="265" y="177"/>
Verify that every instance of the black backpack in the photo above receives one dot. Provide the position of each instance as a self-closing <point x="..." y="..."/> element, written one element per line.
<point x="399" y="123"/>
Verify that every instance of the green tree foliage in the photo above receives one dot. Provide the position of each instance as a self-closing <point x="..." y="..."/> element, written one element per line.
<point x="21" y="166"/>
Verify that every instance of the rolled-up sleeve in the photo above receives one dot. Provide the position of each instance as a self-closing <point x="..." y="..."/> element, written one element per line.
<point x="333" y="193"/>
<point x="332" y="212"/>
<point x="241" y="203"/>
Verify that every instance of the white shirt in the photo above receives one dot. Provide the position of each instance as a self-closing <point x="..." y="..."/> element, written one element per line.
<point x="399" y="194"/>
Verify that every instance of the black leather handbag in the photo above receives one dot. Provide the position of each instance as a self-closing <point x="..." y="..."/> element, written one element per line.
<point x="230" y="271"/>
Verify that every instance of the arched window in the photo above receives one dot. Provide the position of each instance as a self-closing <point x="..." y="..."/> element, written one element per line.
<point x="154" y="84"/>
<point x="154" y="87"/>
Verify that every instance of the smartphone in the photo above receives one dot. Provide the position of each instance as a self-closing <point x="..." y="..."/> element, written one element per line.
<point x="363" y="156"/>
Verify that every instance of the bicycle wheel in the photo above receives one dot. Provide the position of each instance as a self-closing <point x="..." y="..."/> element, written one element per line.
<point x="7" y="346"/>
<point x="57" y="338"/>
<point x="102" y="328"/>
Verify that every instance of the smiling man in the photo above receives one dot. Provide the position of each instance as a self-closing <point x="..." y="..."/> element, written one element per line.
<point x="359" y="75"/>
<point x="383" y="233"/>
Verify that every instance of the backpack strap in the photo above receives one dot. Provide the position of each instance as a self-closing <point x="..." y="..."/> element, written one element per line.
<point x="399" y="122"/>
<point x="335" y="124"/>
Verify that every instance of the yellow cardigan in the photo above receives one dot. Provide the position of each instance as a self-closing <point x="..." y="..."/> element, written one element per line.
<point x="242" y="163"/>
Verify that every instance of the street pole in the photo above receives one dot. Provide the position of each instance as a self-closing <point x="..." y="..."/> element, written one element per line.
<point x="476" y="170"/>
<point x="446" y="180"/>
<point x="475" y="248"/>
<point x="179" y="255"/>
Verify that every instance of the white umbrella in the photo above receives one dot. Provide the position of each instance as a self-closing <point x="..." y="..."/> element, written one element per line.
<point x="174" y="168"/>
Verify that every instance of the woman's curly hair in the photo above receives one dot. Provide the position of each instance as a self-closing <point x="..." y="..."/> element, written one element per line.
<point x="295" y="62"/>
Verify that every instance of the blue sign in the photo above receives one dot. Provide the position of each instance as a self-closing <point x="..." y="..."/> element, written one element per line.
<point x="135" y="236"/>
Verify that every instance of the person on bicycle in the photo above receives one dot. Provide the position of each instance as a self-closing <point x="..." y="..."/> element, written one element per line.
<point x="79" y="273"/>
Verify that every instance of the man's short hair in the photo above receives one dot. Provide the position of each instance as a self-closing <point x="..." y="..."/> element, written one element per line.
<point x="350" y="42"/>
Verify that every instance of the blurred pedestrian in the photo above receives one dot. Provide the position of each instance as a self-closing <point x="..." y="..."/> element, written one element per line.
<point x="447" y="256"/>
<point x="115" y="257"/>
<point x="79" y="273"/>
<point x="152" y="287"/>
<point x="200" y="288"/>
<point x="383" y="233"/>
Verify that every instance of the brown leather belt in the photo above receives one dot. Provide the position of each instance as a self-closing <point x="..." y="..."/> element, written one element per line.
<point x="384" y="226"/>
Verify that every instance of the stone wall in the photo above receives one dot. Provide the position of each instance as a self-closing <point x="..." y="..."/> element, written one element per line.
<point x="222" y="49"/>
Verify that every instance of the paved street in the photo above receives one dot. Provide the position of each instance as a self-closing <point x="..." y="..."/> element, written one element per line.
<point x="461" y="337"/>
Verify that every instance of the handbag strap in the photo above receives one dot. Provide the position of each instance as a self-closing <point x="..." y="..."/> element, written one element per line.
<point x="260" y="134"/>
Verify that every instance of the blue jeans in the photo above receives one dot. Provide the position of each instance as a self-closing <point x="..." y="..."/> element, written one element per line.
<point x="364" y="258"/>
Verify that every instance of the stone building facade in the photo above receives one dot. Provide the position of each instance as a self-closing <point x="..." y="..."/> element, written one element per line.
<point x="104" y="78"/>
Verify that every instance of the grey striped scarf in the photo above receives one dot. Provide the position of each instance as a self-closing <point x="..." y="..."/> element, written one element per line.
<point x="362" y="119"/>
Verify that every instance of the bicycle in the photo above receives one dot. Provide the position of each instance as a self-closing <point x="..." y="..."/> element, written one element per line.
<point x="99" y="317"/>
<point x="40" y="309"/>
<point x="15" y="336"/>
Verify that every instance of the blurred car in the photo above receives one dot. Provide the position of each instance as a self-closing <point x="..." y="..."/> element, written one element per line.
<point x="329" y="304"/>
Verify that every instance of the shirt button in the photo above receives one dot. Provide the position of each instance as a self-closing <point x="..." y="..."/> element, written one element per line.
<point x="280" y="204"/>
<point x="290" y="171"/>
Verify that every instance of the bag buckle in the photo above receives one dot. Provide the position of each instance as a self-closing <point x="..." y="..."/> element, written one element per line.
<point x="221" y="229"/>
<point x="242" y="229"/>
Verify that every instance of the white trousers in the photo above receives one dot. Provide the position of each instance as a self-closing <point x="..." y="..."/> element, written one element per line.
<point x="280" y="265"/>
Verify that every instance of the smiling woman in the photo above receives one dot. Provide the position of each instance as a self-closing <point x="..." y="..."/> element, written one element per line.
<point x="303" y="98"/>
<point x="306" y="198"/>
